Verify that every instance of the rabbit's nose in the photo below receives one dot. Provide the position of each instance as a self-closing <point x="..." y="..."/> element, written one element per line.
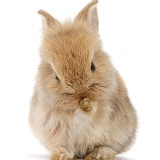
<point x="85" y="104"/>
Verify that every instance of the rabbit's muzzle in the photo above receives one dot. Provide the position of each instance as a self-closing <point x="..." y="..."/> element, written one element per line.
<point x="85" y="104"/>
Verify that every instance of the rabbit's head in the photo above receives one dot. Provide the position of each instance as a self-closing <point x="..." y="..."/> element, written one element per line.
<point x="74" y="70"/>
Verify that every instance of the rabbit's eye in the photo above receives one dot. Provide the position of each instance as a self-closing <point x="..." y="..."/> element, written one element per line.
<point x="57" y="78"/>
<point x="93" y="67"/>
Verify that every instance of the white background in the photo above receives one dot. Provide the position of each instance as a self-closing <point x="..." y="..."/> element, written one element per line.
<point x="130" y="31"/>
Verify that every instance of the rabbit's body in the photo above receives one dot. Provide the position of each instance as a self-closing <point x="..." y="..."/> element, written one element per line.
<point x="80" y="104"/>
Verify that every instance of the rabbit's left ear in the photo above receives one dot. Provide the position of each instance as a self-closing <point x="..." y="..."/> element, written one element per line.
<point x="48" y="20"/>
<point x="89" y="14"/>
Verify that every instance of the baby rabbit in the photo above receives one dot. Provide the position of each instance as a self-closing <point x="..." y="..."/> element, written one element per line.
<point x="80" y="106"/>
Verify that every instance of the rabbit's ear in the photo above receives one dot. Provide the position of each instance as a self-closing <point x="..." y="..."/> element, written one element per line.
<point x="47" y="19"/>
<point x="89" y="14"/>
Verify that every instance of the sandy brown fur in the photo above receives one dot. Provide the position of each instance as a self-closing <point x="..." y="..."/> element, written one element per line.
<point x="105" y="124"/>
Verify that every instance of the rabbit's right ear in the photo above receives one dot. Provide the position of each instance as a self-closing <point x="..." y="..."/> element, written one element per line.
<point x="89" y="14"/>
<point x="48" y="20"/>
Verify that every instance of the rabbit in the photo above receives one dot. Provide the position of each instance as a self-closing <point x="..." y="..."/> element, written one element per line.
<point x="80" y="106"/>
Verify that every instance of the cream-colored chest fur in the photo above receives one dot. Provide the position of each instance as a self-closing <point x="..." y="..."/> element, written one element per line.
<point x="86" y="133"/>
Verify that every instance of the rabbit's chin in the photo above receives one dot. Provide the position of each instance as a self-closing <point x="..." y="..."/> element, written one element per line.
<point x="77" y="110"/>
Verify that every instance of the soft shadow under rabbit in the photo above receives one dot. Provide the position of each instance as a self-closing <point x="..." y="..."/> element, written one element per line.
<point x="80" y="106"/>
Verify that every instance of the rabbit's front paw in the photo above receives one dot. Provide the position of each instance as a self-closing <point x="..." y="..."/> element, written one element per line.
<point x="101" y="153"/>
<point x="59" y="154"/>
<point x="85" y="104"/>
